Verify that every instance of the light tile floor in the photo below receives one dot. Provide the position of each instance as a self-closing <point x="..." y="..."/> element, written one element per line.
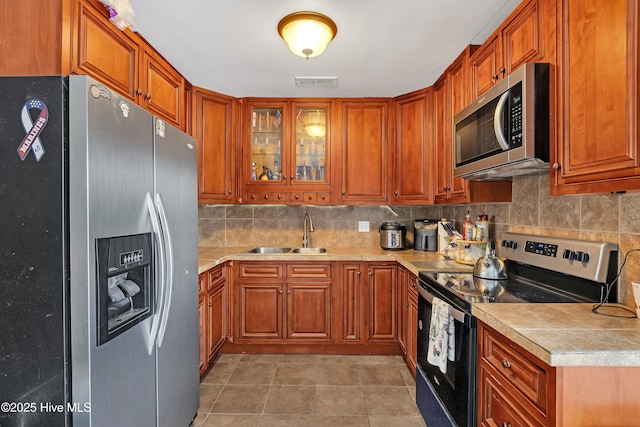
<point x="308" y="390"/>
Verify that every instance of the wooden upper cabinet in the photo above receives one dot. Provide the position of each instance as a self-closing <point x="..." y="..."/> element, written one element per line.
<point x="597" y="145"/>
<point x="451" y="93"/>
<point x="413" y="149"/>
<point x="104" y="52"/>
<point x="162" y="89"/>
<point x="215" y="132"/>
<point x="364" y="151"/>
<point x="520" y="39"/>
<point x="126" y="63"/>
<point x="35" y="37"/>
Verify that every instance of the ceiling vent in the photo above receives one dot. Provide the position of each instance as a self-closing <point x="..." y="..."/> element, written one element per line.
<point x="316" y="81"/>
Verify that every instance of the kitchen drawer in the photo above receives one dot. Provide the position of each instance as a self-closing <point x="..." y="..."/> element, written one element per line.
<point x="257" y="270"/>
<point x="318" y="198"/>
<point x="216" y="274"/>
<point x="520" y="372"/>
<point x="310" y="271"/>
<point x="202" y="282"/>
<point x="500" y="407"/>
<point x="266" y="197"/>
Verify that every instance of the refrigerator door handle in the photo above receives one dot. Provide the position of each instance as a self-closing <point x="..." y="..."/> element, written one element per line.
<point x="161" y="272"/>
<point x="169" y="267"/>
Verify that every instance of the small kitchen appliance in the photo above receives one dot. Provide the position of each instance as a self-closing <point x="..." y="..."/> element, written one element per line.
<point x="425" y="235"/>
<point x="505" y="133"/>
<point x="392" y="235"/>
<point x="527" y="269"/>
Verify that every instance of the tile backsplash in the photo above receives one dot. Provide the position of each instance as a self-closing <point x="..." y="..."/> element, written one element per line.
<point x="608" y="217"/>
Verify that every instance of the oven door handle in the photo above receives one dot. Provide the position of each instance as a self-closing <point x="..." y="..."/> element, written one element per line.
<point x="454" y="312"/>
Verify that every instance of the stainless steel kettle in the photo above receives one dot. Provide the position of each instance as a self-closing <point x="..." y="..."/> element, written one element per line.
<point x="490" y="266"/>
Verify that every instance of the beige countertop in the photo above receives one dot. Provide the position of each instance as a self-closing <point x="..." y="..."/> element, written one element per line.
<point x="413" y="260"/>
<point x="558" y="334"/>
<point x="566" y="334"/>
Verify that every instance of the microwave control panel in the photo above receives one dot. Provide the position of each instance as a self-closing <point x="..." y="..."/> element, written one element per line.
<point x="515" y="108"/>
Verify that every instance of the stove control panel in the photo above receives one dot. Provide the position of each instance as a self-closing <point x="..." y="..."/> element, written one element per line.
<point x="546" y="249"/>
<point x="581" y="258"/>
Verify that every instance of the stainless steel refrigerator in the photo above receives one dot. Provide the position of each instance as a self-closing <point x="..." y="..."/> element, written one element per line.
<point x="98" y="259"/>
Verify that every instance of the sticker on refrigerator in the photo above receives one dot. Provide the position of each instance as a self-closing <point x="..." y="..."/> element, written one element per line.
<point x="160" y="128"/>
<point x="33" y="129"/>
<point x="99" y="91"/>
<point x="124" y="107"/>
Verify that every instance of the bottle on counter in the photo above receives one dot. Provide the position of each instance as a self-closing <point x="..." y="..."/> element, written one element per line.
<point x="483" y="225"/>
<point x="467" y="227"/>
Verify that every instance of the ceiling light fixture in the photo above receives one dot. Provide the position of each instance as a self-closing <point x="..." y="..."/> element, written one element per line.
<point x="307" y="33"/>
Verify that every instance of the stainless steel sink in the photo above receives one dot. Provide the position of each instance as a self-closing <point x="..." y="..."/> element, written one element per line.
<point x="309" y="250"/>
<point x="283" y="250"/>
<point x="269" y="250"/>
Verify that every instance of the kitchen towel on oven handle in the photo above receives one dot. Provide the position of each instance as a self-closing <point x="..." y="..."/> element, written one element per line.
<point x="441" y="335"/>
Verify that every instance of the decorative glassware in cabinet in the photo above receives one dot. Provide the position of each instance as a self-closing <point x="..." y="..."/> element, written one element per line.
<point x="266" y="144"/>
<point x="310" y="148"/>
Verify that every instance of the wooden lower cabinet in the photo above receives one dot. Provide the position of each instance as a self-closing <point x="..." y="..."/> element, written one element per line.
<point x="281" y="303"/>
<point x="515" y="388"/>
<point x="408" y="316"/>
<point x="213" y="310"/>
<point x="350" y="304"/>
<point x="382" y="302"/>
<point x="411" y="353"/>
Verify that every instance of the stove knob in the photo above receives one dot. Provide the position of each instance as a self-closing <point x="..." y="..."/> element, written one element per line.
<point x="582" y="256"/>
<point x="514" y="245"/>
<point x="565" y="254"/>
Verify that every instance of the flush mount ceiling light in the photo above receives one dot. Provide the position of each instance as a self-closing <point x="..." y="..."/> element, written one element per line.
<point x="307" y="33"/>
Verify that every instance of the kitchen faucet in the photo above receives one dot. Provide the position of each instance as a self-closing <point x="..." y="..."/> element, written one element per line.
<point x="304" y="228"/>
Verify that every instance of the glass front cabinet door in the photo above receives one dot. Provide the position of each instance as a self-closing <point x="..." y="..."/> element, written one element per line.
<point x="288" y="153"/>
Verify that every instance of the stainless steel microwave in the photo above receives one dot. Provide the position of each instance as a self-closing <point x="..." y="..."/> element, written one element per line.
<point x="505" y="133"/>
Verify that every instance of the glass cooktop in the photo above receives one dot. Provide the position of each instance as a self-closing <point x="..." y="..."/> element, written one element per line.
<point x="512" y="290"/>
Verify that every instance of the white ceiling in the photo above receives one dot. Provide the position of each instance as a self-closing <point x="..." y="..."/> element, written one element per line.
<point x="383" y="47"/>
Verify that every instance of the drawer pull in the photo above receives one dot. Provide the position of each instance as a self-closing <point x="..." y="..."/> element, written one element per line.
<point x="506" y="424"/>
<point x="506" y="364"/>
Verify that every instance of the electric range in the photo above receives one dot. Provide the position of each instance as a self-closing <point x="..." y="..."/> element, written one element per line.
<point x="541" y="269"/>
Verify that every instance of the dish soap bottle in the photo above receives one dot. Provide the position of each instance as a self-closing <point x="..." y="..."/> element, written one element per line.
<point x="467" y="227"/>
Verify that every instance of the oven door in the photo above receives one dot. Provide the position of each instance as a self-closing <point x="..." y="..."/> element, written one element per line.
<point x="446" y="399"/>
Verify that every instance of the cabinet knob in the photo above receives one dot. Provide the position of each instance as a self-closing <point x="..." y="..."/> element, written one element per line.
<point x="506" y="424"/>
<point x="253" y="196"/>
<point x="297" y="197"/>
<point x="495" y="77"/>
<point x="503" y="71"/>
<point x="395" y="193"/>
<point x="229" y="192"/>
<point x="266" y="196"/>
<point x="280" y="291"/>
<point x="556" y="166"/>
<point x="506" y="364"/>
<point x="279" y="196"/>
<point x="147" y="96"/>
<point x="210" y="304"/>
<point x="288" y="292"/>
<point x="358" y="272"/>
<point x="344" y="193"/>
<point x="291" y="177"/>
<point x="310" y="197"/>
<point x="138" y="91"/>
<point x="323" y="197"/>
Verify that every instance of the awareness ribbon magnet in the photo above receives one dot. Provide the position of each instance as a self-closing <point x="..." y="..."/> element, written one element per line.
<point x="31" y="141"/>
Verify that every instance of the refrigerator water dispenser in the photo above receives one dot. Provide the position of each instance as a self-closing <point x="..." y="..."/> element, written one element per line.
<point x="124" y="269"/>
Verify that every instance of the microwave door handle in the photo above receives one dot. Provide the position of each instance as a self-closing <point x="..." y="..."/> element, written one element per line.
<point x="498" y="122"/>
